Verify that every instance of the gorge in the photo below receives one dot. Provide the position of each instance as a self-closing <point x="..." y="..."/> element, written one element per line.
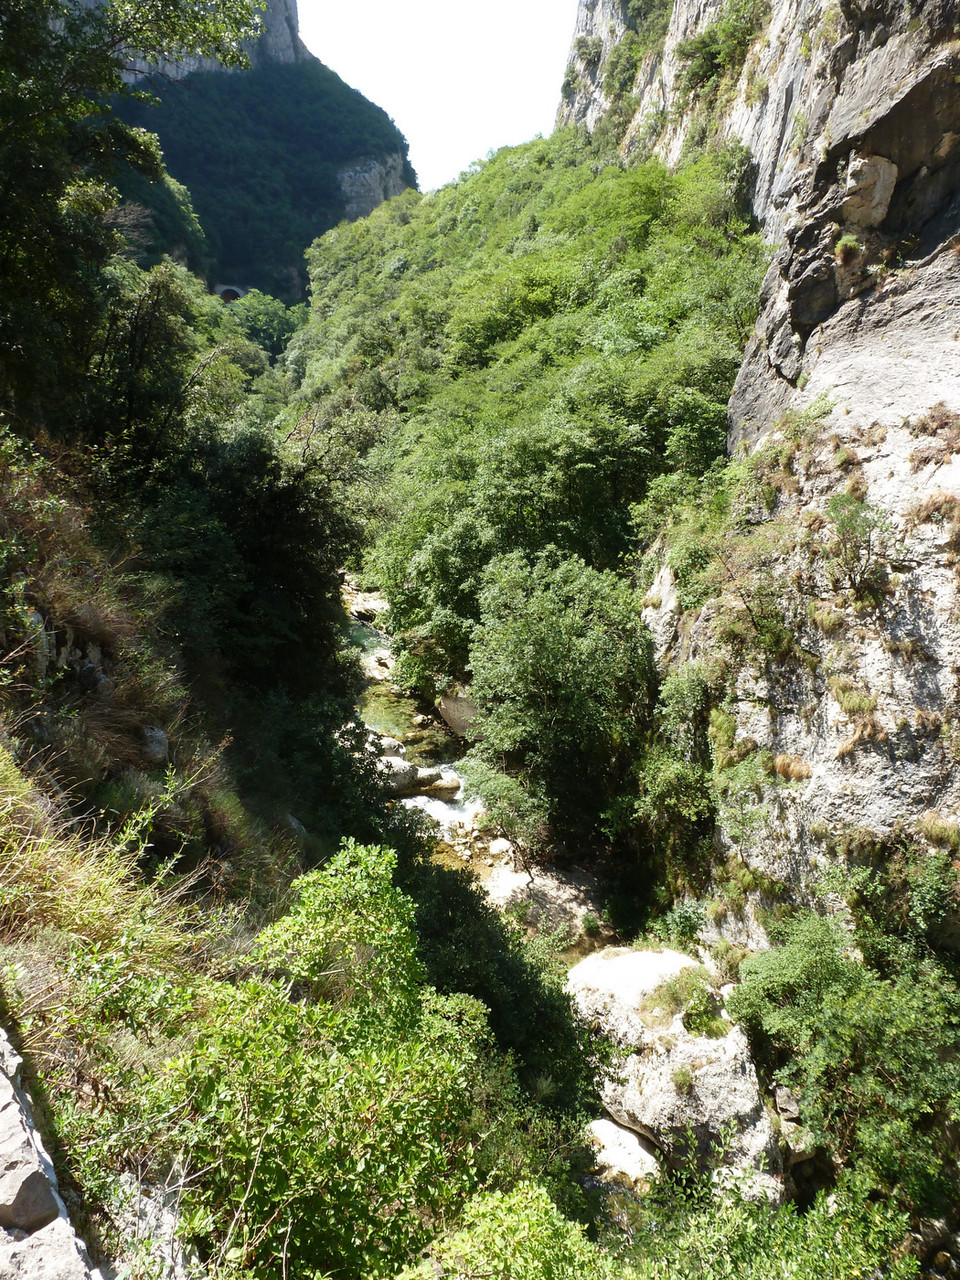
<point x="641" y="443"/>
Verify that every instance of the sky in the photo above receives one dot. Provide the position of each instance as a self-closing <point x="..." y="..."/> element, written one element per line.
<point x="459" y="79"/>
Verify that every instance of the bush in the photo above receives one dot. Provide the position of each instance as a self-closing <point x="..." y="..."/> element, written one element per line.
<point x="720" y="49"/>
<point x="562" y="679"/>
<point x="874" y="1059"/>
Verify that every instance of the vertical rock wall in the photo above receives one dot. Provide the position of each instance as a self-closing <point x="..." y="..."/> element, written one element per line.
<point x="850" y="386"/>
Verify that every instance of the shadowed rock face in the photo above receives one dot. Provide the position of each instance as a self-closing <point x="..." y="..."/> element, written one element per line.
<point x="36" y="1238"/>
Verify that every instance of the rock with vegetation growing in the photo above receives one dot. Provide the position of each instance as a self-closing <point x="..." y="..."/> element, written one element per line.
<point x="696" y="1097"/>
<point x="609" y="988"/>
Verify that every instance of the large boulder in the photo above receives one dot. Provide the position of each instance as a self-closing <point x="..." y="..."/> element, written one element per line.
<point x="696" y="1098"/>
<point x="399" y="777"/>
<point x="621" y="1156"/>
<point x="609" y="989"/>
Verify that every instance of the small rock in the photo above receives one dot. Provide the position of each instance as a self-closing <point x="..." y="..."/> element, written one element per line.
<point x="156" y="745"/>
<point x="399" y="777"/>
<point x="501" y="848"/>
<point x="27" y="1200"/>
<point x="787" y="1103"/>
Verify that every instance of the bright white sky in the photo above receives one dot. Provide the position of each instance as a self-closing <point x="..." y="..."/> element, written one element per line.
<point x="459" y="79"/>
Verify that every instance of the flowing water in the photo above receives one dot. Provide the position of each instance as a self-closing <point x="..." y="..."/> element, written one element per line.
<point x="390" y="713"/>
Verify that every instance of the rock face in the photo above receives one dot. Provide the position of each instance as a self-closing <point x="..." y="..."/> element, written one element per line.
<point x="690" y="1095"/>
<point x="36" y="1238"/>
<point x="366" y="183"/>
<point x="609" y="987"/>
<point x="696" y="1099"/>
<point x="280" y="34"/>
<point x="851" y="384"/>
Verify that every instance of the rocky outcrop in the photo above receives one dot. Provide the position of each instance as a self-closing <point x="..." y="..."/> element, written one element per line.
<point x="692" y="1098"/>
<point x="36" y="1238"/>
<point x="279" y="35"/>
<point x="821" y="79"/>
<point x="609" y="989"/>
<point x="278" y="41"/>
<point x="599" y="28"/>
<point x="698" y="1100"/>
<point x="367" y="182"/>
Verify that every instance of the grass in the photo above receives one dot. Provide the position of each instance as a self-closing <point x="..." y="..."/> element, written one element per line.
<point x="825" y="618"/>
<point x="940" y="831"/>
<point x="927" y="723"/>
<point x="942" y="426"/>
<point x="910" y="648"/>
<point x="791" y="767"/>
<point x="851" y="698"/>
<point x="937" y="508"/>
<point x="53" y="878"/>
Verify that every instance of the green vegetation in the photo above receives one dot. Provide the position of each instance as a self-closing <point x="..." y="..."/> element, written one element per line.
<point x="718" y="52"/>
<point x="263" y="197"/>
<point x="232" y="966"/>
<point x="540" y="342"/>
<point x="871" y="1054"/>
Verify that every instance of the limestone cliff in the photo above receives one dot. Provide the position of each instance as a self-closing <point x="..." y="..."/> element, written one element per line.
<point x="367" y="182"/>
<point x="850" y="387"/>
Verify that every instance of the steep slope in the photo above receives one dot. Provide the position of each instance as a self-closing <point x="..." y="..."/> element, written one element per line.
<point x="272" y="156"/>
<point x="846" y="404"/>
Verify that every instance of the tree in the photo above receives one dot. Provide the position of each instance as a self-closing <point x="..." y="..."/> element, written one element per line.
<point x="60" y="146"/>
<point x="563" y="672"/>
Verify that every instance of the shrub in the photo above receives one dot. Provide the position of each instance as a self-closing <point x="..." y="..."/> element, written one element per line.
<point x="874" y="1059"/>
<point x="846" y="249"/>
<point x="863" y="542"/>
<point x="519" y="1235"/>
<point x="721" y="48"/>
<point x="940" y="830"/>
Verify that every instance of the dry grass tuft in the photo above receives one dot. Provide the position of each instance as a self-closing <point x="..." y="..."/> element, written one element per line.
<point x="940" y="507"/>
<point x="910" y="648"/>
<point x="927" y="723"/>
<point x="867" y="729"/>
<point x="791" y="767"/>
<point x="827" y="619"/>
<point x="942" y="425"/>
<point x="851" y="698"/>
<point x="52" y="877"/>
<point x="940" y="831"/>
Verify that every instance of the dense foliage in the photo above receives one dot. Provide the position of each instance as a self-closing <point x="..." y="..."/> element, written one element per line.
<point x="260" y="153"/>
<point x="537" y="344"/>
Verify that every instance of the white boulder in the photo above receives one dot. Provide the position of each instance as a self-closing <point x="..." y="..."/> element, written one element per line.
<point x="696" y="1098"/>
<point x="621" y="1155"/>
<point x="610" y="987"/>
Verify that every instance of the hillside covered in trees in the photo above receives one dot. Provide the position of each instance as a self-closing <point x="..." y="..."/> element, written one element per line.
<point x="261" y="154"/>
<point x="245" y="982"/>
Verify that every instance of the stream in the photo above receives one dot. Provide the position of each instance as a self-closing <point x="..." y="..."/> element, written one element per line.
<point x="388" y="712"/>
